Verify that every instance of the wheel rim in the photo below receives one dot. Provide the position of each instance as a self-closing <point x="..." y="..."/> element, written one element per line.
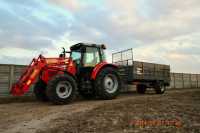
<point x="162" y="89"/>
<point x="64" y="89"/>
<point x="110" y="83"/>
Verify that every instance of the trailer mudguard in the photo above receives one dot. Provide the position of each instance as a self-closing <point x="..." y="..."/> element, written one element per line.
<point x="99" y="67"/>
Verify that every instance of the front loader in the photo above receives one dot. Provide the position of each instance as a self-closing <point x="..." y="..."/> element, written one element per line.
<point x="83" y="71"/>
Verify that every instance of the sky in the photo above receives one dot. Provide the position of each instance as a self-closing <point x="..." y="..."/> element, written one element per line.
<point x="159" y="31"/>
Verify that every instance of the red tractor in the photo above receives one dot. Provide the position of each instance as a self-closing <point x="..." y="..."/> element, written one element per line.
<point x="58" y="80"/>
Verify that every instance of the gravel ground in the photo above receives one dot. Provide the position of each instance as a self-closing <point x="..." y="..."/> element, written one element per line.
<point x="175" y="111"/>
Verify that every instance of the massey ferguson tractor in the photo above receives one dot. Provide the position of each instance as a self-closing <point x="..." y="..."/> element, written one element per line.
<point x="58" y="80"/>
<point x="84" y="70"/>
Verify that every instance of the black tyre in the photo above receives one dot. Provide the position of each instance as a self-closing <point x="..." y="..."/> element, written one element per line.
<point x="40" y="91"/>
<point x="160" y="89"/>
<point x="141" y="89"/>
<point x="61" y="89"/>
<point x="108" y="84"/>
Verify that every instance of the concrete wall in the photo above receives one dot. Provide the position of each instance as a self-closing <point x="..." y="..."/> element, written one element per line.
<point x="184" y="80"/>
<point x="10" y="73"/>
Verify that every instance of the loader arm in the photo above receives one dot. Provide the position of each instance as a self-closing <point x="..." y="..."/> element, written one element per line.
<point x="28" y="77"/>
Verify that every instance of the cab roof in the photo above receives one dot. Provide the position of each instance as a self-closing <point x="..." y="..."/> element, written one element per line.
<point x="81" y="45"/>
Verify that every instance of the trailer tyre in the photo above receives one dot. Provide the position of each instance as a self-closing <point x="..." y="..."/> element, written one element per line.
<point x="40" y="91"/>
<point x="160" y="89"/>
<point x="108" y="84"/>
<point x="141" y="89"/>
<point x="62" y="89"/>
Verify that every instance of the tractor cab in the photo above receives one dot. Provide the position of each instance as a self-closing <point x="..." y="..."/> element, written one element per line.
<point x="87" y="55"/>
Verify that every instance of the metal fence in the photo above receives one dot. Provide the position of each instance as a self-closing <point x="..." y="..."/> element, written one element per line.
<point x="10" y="73"/>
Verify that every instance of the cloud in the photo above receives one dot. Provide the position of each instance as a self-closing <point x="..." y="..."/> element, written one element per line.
<point x="72" y="5"/>
<point x="167" y="19"/>
<point x="34" y="30"/>
<point x="158" y="30"/>
<point x="13" y="55"/>
<point x="182" y="55"/>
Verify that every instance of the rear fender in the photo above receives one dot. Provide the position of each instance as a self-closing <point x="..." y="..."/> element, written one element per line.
<point x="99" y="67"/>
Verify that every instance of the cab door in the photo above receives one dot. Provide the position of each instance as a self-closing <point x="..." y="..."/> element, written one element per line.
<point x="90" y="58"/>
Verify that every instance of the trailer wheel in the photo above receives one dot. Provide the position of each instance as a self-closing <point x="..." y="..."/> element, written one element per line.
<point x="61" y="89"/>
<point x="141" y="89"/>
<point x="108" y="84"/>
<point x="160" y="89"/>
<point x="40" y="91"/>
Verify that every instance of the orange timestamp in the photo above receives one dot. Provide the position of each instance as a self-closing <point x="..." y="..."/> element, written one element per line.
<point x="155" y="123"/>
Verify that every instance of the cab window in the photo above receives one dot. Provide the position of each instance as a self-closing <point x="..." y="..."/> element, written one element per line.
<point x="91" y="57"/>
<point x="76" y="56"/>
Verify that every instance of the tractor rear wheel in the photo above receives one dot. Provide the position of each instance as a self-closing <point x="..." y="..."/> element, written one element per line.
<point x="61" y="89"/>
<point x="108" y="84"/>
<point x="40" y="91"/>
<point x="141" y="89"/>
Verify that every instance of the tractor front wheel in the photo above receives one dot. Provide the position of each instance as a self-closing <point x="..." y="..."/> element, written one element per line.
<point x="40" y="91"/>
<point x="61" y="89"/>
<point x="108" y="84"/>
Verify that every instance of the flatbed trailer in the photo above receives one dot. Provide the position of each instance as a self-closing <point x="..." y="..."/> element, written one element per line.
<point x="142" y="74"/>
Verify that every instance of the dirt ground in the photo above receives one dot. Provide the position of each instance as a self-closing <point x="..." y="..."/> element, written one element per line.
<point x="175" y="111"/>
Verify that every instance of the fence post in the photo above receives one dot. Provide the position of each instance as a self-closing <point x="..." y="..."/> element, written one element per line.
<point x="197" y="81"/>
<point x="183" y="80"/>
<point x="190" y="80"/>
<point x="11" y="76"/>
<point x="174" y="81"/>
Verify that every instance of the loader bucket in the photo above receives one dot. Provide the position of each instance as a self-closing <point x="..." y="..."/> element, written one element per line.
<point x="16" y="91"/>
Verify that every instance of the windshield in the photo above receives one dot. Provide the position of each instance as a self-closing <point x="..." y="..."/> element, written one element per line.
<point x="76" y="56"/>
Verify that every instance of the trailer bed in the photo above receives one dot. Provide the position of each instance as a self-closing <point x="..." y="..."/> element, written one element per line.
<point x="137" y="71"/>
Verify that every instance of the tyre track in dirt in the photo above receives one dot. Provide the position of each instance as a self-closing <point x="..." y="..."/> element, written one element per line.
<point x="33" y="116"/>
